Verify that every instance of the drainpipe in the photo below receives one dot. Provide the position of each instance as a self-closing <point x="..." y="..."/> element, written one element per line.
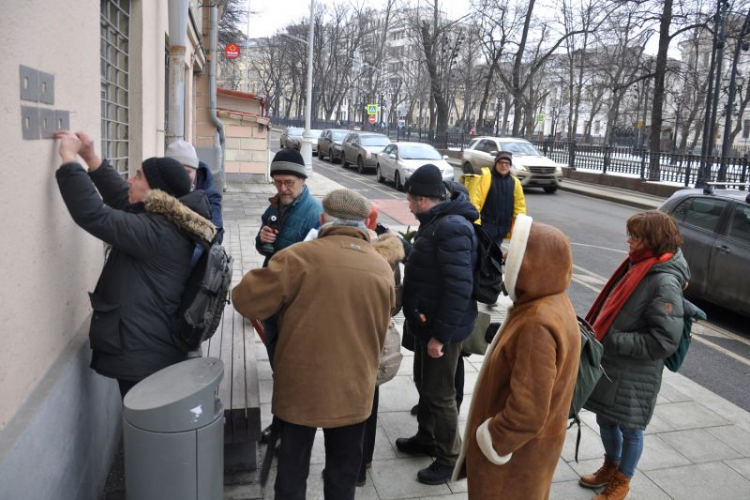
<point x="219" y="136"/>
<point x="178" y="24"/>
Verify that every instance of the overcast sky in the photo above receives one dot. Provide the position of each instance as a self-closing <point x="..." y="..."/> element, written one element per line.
<point x="272" y="15"/>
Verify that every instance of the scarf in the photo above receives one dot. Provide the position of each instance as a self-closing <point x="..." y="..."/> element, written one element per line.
<point x="620" y="287"/>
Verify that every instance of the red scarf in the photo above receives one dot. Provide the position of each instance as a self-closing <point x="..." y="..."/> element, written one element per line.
<point x="620" y="287"/>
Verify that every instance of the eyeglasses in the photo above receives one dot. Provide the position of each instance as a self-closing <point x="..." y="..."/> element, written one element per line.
<point x="288" y="183"/>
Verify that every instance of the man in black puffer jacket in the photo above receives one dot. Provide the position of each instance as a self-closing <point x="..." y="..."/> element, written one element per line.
<point x="152" y="236"/>
<point x="437" y="305"/>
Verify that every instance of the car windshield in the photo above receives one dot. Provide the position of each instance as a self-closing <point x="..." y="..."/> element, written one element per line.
<point x="520" y="148"/>
<point x="375" y="141"/>
<point x="418" y="152"/>
<point x="339" y="136"/>
<point x="315" y="133"/>
<point x="295" y="131"/>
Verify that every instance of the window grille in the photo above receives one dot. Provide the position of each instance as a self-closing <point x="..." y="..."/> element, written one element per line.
<point x="115" y="84"/>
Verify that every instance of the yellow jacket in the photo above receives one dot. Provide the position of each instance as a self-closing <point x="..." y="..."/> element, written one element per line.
<point x="479" y="186"/>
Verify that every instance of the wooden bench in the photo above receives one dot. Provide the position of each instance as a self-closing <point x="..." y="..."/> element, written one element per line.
<point x="239" y="391"/>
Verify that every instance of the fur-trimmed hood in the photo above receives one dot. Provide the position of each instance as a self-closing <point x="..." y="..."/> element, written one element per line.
<point x="389" y="246"/>
<point x="183" y="212"/>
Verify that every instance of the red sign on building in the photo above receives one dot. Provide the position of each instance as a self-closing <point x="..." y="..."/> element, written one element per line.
<point x="232" y="51"/>
<point x="372" y="119"/>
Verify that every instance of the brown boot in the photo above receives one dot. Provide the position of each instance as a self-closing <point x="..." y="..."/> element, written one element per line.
<point x="601" y="477"/>
<point x="617" y="489"/>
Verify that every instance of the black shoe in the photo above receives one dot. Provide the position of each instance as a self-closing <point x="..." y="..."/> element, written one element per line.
<point x="411" y="446"/>
<point x="362" y="479"/>
<point x="414" y="410"/>
<point x="265" y="434"/>
<point x="436" y="473"/>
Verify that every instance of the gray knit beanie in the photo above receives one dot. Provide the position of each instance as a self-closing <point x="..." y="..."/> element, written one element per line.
<point x="346" y="204"/>
<point x="288" y="162"/>
<point x="182" y="151"/>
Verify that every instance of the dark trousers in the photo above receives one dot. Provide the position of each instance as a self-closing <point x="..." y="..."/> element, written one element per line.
<point x="343" y="458"/>
<point x="125" y="386"/>
<point x="438" y="413"/>
<point x="368" y="439"/>
<point x="458" y="381"/>
<point x="496" y="232"/>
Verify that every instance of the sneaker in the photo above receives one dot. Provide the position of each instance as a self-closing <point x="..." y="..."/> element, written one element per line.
<point x="265" y="434"/>
<point x="411" y="446"/>
<point x="617" y="488"/>
<point x="436" y="473"/>
<point x="601" y="477"/>
<point x="414" y="410"/>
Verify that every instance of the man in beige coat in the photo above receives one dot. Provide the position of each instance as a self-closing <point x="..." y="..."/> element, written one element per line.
<point x="333" y="297"/>
<point x="519" y="412"/>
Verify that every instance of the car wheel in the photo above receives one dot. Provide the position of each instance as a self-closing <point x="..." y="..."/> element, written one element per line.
<point x="360" y="165"/>
<point x="468" y="169"/>
<point x="397" y="181"/>
<point x="378" y="175"/>
<point x="550" y="189"/>
<point x="321" y="156"/>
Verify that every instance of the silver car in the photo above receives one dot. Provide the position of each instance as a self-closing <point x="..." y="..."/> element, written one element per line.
<point x="360" y="148"/>
<point x="399" y="160"/>
<point x="715" y="226"/>
<point x="290" y="137"/>
<point x="329" y="143"/>
<point x="530" y="166"/>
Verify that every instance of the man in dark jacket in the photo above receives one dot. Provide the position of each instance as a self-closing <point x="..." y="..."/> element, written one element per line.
<point x="152" y="235"/>
<point x="200" y="176"/>
<point x="437" y="305"/>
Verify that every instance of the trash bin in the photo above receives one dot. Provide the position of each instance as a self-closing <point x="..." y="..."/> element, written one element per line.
<point x="173" y="426"/>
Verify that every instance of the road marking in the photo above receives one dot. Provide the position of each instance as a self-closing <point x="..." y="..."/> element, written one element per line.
<point x="721" y="349"/>
<point x="617" y="250"/>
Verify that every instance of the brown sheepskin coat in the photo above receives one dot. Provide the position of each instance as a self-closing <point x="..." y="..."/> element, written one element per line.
<point x="526" y="382"/>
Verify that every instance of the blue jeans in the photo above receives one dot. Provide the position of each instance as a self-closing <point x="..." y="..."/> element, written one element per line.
<point x="621" y="444"/>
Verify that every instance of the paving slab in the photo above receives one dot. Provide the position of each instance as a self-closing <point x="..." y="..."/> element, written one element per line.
<point x="712" y="480"/>
<point x="734" y="436"/>
<point x="658" y="454"/>
<point x="397" y="479"/>
<point x="741" y="465"/>
<point x="688" y="415"/>
<point x="698" y="446"/>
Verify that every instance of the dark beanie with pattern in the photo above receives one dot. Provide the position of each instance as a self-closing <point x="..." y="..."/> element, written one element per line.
<point x="426" y="181"/>
<point x="288" y="162"/>
<point x="168" y="175"/>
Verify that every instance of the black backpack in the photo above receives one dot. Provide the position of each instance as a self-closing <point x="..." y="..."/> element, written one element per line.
<point x="589" y="372"/>
<point x="488" y="275"/>
<point x="204" y="297"/>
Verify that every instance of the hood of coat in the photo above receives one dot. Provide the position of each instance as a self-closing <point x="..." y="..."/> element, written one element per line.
<point x="183" y="212"/>
<point x="458" y="204"/>
<point x="539" y="262"/>
<point x="677" y="266"/>
<point x="389" y="247"/>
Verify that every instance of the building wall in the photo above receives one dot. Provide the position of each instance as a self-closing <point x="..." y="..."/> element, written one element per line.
<point x="59" y="421"/>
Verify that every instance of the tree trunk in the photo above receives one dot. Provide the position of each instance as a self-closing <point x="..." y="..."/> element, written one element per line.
<point x="658" y="101"/>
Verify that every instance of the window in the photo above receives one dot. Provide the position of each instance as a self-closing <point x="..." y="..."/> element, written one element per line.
<point x="114" y="35"/>
<point x="740" y="226"/>
<point x="597" y="127"/>
<point x="700" y="212"/>
<point x="745" y="129"/>
<point x="487" y="147"/>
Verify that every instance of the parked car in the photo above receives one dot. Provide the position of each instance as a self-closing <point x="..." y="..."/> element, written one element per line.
<point x="399" y="160"/>
<point x="360" y="148"/>
<point x="290" y="137"/>
<point x="715" y="225"/>
<point x="530" y="166"/>
<point x="329" y="143"/>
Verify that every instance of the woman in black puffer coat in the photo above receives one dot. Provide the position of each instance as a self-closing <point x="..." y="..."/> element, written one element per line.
<point x="638" y="317"/>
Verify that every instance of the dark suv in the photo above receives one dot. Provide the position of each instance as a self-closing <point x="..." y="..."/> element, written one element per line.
<point x="715" y="225"/>
<point x="329" y="143"/>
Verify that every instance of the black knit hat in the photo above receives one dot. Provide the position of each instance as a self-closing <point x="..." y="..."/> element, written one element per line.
<point x="504" y="155"/>
<point x="288" y="162"/>
<point x="168" y="175"/>
<point x="426" y="181"/>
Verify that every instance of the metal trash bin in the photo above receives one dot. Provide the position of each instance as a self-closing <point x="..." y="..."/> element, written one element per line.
<point x="173" y="426"/>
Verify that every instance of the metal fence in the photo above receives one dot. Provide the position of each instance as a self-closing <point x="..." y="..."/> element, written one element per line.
<point x="684" y="169"/>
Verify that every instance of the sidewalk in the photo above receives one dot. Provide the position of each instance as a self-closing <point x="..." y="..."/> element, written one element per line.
<point x="696" y="447"/>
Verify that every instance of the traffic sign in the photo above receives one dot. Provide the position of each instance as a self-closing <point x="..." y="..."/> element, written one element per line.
<point x="372" y="109"/>
<point x="372" y="119"/>
<point x="232" y="51"/>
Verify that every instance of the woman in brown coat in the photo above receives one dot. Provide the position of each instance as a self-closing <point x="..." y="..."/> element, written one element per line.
<point x="519" y="412"/>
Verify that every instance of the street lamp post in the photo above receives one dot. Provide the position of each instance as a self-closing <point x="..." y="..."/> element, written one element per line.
<point x="725" y="145"/>
<point x="306" y="141"/>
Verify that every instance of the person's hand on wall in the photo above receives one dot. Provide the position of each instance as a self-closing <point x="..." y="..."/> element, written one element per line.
<point x="87" y="151"/>
<point x="80" y="143"/>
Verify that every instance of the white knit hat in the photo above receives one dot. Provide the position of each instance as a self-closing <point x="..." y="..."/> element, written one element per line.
<point x="184" y="152"/>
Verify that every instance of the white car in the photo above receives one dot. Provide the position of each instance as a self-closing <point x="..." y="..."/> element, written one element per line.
<point x="399" y="160"/>
<point x="530" y="166"/>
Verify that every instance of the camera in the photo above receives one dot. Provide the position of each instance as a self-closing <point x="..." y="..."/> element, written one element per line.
<point x="381" y="229"/>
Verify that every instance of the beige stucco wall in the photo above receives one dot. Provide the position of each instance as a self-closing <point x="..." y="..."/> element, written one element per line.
<point x="48" y="263"/>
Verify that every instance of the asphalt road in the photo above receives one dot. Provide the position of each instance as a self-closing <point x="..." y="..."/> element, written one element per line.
<point x="719" y="357"/>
